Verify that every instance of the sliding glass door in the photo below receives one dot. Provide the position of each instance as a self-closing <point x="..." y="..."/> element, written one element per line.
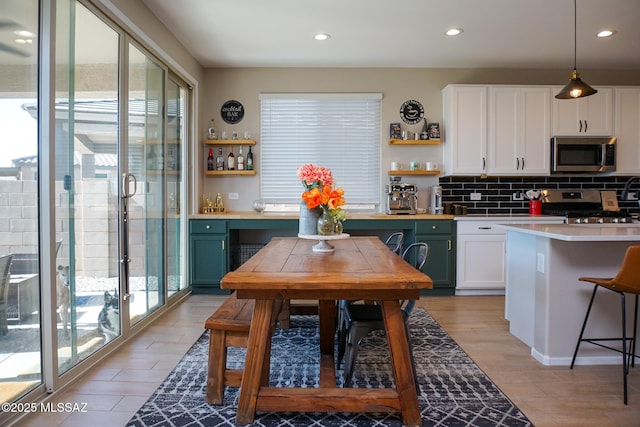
<point x="177" y="113"/>
<point x="20" y="325"/>
<point x="91" y="184"/>
<point x="147" y="158"/>
<point x="87" y="211"/>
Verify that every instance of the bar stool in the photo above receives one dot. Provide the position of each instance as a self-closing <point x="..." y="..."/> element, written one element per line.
<point x="627" y="281"/>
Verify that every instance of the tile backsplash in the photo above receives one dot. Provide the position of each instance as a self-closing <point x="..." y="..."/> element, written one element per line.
<point x="497" y="191"/>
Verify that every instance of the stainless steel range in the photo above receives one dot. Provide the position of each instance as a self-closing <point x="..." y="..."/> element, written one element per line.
<point x="584" y="206"/>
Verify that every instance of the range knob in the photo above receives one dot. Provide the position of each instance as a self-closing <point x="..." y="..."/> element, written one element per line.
<point x="600" y="220"/>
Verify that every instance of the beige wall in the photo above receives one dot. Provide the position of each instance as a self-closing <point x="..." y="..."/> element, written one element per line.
<point x="396" y="86"/>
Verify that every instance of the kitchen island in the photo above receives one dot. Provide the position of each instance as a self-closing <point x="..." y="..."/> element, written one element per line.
<point x="545" y="302"/>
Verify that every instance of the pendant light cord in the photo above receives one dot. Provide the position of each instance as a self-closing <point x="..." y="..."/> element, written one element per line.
<point x="575" y="34"/>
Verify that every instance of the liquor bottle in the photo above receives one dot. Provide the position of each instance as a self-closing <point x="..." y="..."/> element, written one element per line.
<point x="240" y="161"/>
<point x="211" y="131"/>
<point x="231" y="160"/>
<point x="249" y="160"/>
<point x="210" y="160"/>
<point x="219" y="160"/>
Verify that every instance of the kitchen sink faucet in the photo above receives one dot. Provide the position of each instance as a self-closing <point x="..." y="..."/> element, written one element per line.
<point x="627" y="185"/>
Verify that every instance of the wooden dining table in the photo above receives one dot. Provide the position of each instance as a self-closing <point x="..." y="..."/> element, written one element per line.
<point x="360" y="268"/>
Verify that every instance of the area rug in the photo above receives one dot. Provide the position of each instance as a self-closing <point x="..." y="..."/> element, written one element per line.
<point x="454" y="391"/>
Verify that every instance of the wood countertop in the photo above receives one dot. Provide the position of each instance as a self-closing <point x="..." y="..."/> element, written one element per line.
<point x="292" y="215"/>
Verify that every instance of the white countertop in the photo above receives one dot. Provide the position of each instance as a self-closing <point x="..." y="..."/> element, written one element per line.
<point x="511" y="218"/>
<point x="579" y="232"/>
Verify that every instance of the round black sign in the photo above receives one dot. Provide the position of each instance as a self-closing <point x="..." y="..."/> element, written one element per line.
<point x="411" y="112"/>
<point x="232" y="112"/>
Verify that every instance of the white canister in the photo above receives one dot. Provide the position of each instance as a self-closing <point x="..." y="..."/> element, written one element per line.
<point x="431" y="166"/>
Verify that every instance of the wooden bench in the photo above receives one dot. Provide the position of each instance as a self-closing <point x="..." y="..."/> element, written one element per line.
<point x="229" y="326"/>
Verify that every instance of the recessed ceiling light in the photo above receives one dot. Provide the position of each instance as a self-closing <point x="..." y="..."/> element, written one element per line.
<point x="24" y="34"/>
<point x="23" y="41"/>
<point x="606" y="33"/>
<point x="321" y="36"/>
<point x="454" y="31"/>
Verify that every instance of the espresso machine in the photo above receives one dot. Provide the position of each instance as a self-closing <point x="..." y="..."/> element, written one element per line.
<point x="402" y="197"/>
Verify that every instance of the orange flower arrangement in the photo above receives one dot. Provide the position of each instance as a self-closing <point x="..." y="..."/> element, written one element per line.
<point x="319" y="191"/>
<point x="326" y="198"/>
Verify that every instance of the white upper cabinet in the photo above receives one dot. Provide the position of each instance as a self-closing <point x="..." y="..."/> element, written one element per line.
<point x="465" y="129"/>
<point x="519" y="130"/>
<point x="589" y="116"/>
<point x="627" y="130"/>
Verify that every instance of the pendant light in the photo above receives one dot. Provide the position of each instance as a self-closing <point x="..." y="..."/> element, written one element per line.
<point x="576" y="88"/>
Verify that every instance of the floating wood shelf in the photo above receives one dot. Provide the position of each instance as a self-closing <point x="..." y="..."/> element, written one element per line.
<point x="229" y="142"/>
<point x="418" y="172"/>
<point x="234" y="172"/>
<point x="414" y="141"/>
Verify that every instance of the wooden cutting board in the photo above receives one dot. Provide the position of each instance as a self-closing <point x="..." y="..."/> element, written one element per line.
<point x="609" y="200"/>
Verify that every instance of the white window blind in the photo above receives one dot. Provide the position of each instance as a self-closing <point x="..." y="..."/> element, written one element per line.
<point x="337" y="131"/>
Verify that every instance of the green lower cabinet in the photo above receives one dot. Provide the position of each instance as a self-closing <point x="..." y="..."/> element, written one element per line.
<point x="211" y="242"/>
<point x="208" y="257"/>
<point x="440" y="265"/>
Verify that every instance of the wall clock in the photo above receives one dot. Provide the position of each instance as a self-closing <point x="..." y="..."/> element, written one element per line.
<point x="232" y="112"/>
<point x="411" y="112"/>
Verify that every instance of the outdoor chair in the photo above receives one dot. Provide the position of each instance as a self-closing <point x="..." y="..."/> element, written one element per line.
<point x="5" y="263"/>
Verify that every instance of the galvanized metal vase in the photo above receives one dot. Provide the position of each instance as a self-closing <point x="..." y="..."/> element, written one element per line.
<point x="308" y="222"/>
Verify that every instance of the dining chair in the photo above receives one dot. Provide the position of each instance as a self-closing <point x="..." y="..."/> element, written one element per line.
<point x="363" y="319"/>
<point x="394" y="242"/>
<point x="5" y="263"/>
<point x="626" y="281"/>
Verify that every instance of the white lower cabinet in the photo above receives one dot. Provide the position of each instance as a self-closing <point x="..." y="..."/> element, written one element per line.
<point x="481" y="253"/>
<point x="480" y="257"/>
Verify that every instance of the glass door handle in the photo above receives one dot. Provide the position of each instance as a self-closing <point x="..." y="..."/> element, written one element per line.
<point x="127" y="180"/>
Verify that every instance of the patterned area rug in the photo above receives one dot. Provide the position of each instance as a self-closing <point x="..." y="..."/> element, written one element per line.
<point x="454" y="391"/>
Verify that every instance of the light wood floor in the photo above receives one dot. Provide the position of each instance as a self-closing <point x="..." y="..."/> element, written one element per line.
<point x="549" y="396"/>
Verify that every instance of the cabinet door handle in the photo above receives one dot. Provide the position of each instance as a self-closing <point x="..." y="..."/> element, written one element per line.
<point x="484" y="228"/>
<point x="484" y="163"/>
<point x="517" y="163"/>
<point x="580" y="128"/>
<point x="586" y="125"/>
<point x="523" y="163"/>
<point x="223" y="245"/>
<point x="449" y="244"/>
<point x="434" y="227"/>
<point x="207" y="226"/>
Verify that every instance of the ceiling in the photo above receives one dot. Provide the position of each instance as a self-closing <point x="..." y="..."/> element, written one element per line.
<point x="405" y="33"/>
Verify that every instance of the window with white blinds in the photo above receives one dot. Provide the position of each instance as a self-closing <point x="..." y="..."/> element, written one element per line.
<point x="337" y="131"/>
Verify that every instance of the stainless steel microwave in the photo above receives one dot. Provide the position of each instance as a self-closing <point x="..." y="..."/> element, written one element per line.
<point x="583" y="154"/>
